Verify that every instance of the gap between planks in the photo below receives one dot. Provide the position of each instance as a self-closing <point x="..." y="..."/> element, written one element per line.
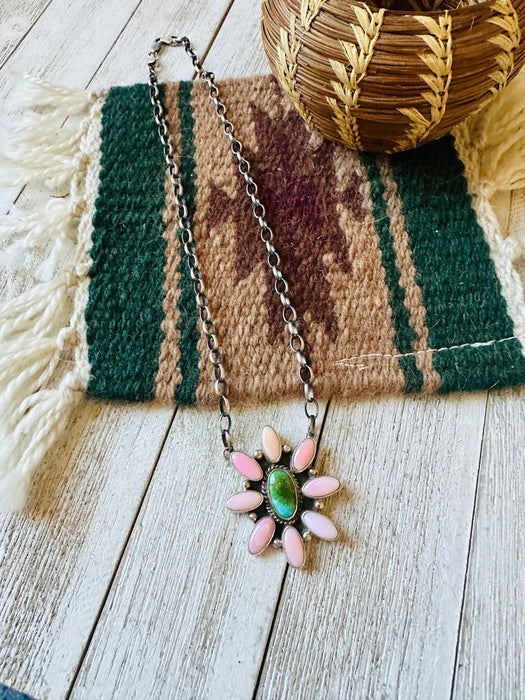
<point x="286" y="571"/>
<point x="491" y="661"/>
<point x="28" y="7"/>
<point x="378" y="617"/>
<point x="469" y="551"/>
<point x="124" y="547"/>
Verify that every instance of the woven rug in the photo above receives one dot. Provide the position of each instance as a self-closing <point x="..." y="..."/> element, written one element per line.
<point x="396" y="264"/>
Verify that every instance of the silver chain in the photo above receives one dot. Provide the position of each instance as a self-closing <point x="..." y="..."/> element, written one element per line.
<point x="274" y="261"/>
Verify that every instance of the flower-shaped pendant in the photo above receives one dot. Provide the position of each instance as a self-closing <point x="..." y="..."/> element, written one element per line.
<point x="283" y="496"/>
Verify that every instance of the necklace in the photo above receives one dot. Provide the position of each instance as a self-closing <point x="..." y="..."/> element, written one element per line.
<point x="282" y="494"/>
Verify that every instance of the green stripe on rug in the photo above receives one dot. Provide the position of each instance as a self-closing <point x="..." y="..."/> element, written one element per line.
<point x="404" y="333"/>
<point x="124" y="312"/>
<point x="185" y="393"/>
<point x="452" y="261"/>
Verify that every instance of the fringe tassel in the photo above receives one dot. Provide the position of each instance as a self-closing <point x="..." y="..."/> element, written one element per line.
<point x="22" y="232"/>
<point x="44" y="366"/>
<point x="491" y="144"/>
<point x="43" y="150"/>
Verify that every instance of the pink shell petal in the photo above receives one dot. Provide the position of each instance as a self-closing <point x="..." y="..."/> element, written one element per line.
<point x="245" y="501"/>
<point x="262" y="535"/>
<point x="247" y="466"/>
<point x="293" y="547"/>
<point x="320" y="525"/>
<point x="321" y="487"/>
<point x="303" y="455"/>
<point x="271" y="444"/>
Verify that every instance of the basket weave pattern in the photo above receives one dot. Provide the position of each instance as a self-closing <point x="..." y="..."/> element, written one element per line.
<point x="387" y="80"/>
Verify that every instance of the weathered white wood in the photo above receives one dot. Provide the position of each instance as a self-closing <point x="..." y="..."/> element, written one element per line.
<point x="237" y="49"/>
<point x="491" y="659"/>
<point x="57" y="558"/>
<point x="79" y="44"/>
<point x="127" y="63"/>
<point x="378" y="616"/>
<point x="16" y="19"/>
<point x="190" y="610"/>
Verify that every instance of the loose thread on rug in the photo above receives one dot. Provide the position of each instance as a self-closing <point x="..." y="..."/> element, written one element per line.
<point x="347" y="362"/>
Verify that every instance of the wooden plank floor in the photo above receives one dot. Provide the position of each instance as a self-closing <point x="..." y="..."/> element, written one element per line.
<point x="126" y="577"/>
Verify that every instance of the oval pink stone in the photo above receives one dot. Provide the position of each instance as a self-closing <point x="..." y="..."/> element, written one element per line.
<point x="244" y="502"/>
<point x="303" y="455"/>
<point x="293" y="547"/>
<point x="321" y="487"/>
<point x="261" y="536"/>
<point x="247" y="466"/>
<point x="320" y="525"/>
<point x="271" y="444"/>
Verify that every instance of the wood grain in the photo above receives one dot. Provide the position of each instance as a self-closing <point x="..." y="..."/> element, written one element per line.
<point x="190" y="610"/>
<point x="57" y="558"/>
<point x="113" y="44"/>
<point x="16" y="20"/>
<point x="378" y="616"/>
<point x="126" y="64"/>
<point x="491" y="659"/>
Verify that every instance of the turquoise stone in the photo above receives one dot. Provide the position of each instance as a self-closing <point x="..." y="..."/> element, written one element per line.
<point x="282" y="493"/>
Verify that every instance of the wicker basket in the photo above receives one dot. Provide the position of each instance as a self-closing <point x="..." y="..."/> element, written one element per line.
<point x="389" y="80"/>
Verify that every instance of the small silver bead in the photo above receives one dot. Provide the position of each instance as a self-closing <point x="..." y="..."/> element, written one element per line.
<point x="287" y="448"/>
<point x="247" y="485"/>
<point x="319" y="505"/>
<point x="258" y="454"/>
<point x="253" y="517"/>
<point x="307" y="536"/>
<point x="312" y="472"/>
<point x="277" y="544"/>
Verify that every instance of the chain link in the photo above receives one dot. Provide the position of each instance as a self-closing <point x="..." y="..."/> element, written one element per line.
<point x="289" y="313"/>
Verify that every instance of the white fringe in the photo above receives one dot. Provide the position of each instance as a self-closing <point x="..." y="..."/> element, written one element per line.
<point x="44" y="367"/>
<point x="491" y="144"/>
<point x="42" y="150"/>
<point x="22" y="232"/>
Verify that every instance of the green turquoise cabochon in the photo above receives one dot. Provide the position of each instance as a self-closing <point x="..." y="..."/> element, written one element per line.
<point x="282" y="493"/>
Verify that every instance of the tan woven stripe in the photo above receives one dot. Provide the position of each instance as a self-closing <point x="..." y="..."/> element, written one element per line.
<point x="347" y="86"/>
<point x="439" y="62"/>
<point x="256" y="369"/>
<point x="413" y="295"/>
<point x="508" y="40"/>
<point x="169" y="375"/>
<point x="361" y="300"/>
